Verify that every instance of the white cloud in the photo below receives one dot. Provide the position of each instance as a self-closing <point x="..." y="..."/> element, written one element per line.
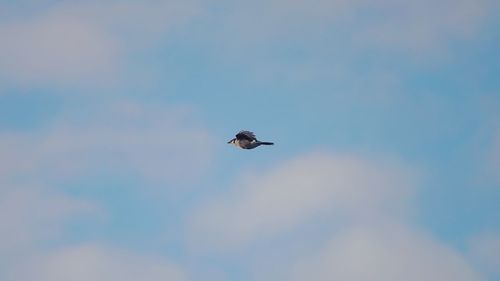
<point x="484" y="250"/>
<point x="98" y="263"/>
<point x="412" y="26"/>
<point x="83" y="43"/>
<point x="57" y="49"/>
<point x="30" y="214"/>
<point x="384" y="253"/>
<point x="420" y="26"/>
<point x="154" y="143"/>
<point x="339" y="186"/>
<point x="372" y="199"/>
<point x="31" y="218"/>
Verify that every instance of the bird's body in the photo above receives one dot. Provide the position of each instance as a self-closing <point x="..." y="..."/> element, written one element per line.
<point x="247" y="140"/>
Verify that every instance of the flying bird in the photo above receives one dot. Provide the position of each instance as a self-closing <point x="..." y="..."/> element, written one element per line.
<point x="247" y="140"/>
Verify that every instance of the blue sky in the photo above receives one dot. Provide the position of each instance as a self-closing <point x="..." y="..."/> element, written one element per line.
<point x="114" y="118"/>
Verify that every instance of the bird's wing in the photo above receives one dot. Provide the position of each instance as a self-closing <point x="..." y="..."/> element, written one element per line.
<point x="246" y="135"/>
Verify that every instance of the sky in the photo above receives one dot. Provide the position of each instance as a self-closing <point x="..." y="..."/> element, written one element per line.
<point x="115" y="117"/>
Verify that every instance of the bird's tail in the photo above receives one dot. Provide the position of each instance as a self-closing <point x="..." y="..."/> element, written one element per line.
<point x="266" y="143"/>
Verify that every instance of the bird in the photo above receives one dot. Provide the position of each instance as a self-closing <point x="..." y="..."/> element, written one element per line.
<point x="247" y="140"/>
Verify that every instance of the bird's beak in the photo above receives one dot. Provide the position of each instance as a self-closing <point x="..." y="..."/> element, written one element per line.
<point x="230" y="141"/>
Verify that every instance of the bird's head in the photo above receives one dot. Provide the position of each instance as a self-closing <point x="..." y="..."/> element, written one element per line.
<point x="233" y="141"/>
